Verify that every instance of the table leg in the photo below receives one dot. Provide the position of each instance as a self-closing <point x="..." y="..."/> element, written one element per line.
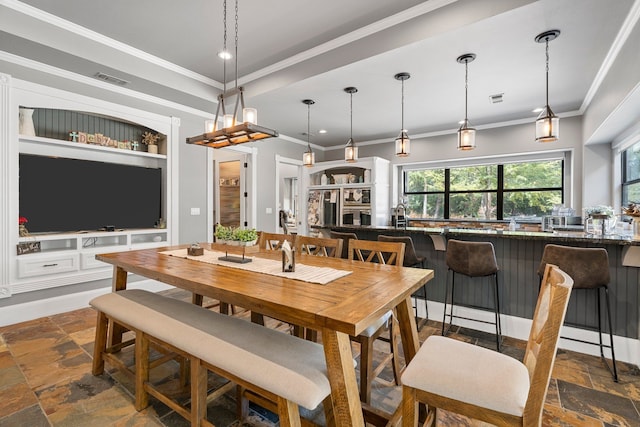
<point x="342" y="376"/>
<point x="408" y="330"/>
<point x="119" y="283"/>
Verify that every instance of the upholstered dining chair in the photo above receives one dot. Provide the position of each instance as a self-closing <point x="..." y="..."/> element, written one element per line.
<point x="318" y="246"/>
<point x="483" y="384"/>
<point x="589" y="268"/>
<point x="411" y="259"/>
<point x="345" y="237"/>
<point x="384" y="253"/>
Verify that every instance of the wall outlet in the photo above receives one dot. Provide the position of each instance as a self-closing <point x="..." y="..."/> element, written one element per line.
<point x="195" y="211"/>
<point x="269" y="211"/>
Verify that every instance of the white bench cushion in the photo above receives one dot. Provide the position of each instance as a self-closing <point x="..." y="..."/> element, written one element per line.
<point x="469" y="373"/>
<point x="290" y="367"/>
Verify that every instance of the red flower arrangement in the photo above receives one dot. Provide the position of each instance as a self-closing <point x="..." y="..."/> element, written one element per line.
<point x="22" y="220"/>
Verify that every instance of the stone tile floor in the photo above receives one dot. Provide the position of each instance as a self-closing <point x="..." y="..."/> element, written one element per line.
<point x="45" y="380"/>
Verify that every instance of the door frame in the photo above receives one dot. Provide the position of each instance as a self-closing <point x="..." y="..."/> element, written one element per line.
<point x="248" y="183"/>
<point x="301" y="225"/>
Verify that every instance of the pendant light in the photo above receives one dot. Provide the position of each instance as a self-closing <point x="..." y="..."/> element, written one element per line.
<point x="309" y="157"/>
<point x="403" y="143"/>
<point x="466" y="134"/>
<point x="232" y="132"/>
<point x="351" y="150"/>
<point x="547" y="124"/>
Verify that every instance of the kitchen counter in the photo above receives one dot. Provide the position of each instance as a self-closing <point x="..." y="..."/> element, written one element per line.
<point x="518" y="254"/>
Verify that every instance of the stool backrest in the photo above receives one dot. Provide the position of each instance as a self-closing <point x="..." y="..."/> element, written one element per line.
<point x="410" y="257"/>
<point x="588" y="267"/>
<point x="541" y="348"/>
<point x="318" y="246"/>
<point x="274" y="241"/>
<point x="473" y="259"/>
<point x="345" y="241"/>
<point x="373" y="251"/>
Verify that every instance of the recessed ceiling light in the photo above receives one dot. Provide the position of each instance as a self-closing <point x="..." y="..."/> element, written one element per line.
<point x="225" y="54"/>
<point x="537" y="110"/>
<point x="322" y="131"/>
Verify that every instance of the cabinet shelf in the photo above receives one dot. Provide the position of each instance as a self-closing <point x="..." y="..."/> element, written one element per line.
<point x="37" y="140"/>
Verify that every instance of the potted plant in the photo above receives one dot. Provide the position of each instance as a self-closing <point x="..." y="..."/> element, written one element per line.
<point x="633" y="210"/>
<point x="246" y="236"/>
<point x="150" y="140"/>
<point x="223" y="234"/>
<point x="22" y="228"/>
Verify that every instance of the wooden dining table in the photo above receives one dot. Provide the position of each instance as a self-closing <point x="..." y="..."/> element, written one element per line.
<point x="338" y="309"/>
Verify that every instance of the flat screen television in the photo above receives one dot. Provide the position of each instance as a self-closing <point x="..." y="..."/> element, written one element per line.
<point x="58" y="194"/>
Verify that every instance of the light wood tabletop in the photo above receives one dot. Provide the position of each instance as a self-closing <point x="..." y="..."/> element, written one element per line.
<point x="343" y="307"/>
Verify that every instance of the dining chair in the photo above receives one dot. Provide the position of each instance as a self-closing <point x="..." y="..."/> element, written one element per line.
<point x="412" y="259"/>
<point x="483" y="384"/>
<point x="274" y="241"/>
<point x="345" y="237"/>
<point x="589" y="268"/>
<point x="315" y="246"/>
<point x="391" y="253"/>
<point x="318" y="246"/>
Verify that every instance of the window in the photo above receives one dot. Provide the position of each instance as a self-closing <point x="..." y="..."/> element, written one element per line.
<point x="631" y="175"/>
<point x="523" y="189"/>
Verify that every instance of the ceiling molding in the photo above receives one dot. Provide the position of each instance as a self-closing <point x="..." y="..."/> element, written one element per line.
<point x="64" y="25"/>
<point x="343" y="40"/>
<point x="90" y="81"/>
<point x="617" y="45"/>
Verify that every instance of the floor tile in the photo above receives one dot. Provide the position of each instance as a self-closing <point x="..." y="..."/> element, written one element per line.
<point x="16" y="398"/>
<point x="31" y="416"/>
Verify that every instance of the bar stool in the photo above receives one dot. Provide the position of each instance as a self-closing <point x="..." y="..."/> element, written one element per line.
<point x="589" y="269"/>
<point x="472" y="259"/>
<point x="411" y="259"/>
<point x="345" y="241"/>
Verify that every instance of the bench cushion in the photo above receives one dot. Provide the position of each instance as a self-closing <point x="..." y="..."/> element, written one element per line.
<point x="290" y="367"/>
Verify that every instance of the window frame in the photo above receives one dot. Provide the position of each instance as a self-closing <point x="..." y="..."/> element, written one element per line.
<point x="499" y="191"/>
<point x="626" y="182"/>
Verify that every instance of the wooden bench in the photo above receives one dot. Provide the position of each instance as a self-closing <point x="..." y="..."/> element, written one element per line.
<point x="272" y="364"/>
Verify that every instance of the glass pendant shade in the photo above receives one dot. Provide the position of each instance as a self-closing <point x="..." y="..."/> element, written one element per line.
<point x="209" y="126"/>
<point x="351" y="151"/>
<point x="466" y="137"/>
<point x="250" y="115"/>
<point x="403" y="144"/>
<point x="308" y="158"/>
<point x="547" y="126"/>
<point x="228" y="120"/>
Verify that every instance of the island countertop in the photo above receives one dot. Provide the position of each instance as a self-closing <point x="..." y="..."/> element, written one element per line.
<point x="555" y="236"/>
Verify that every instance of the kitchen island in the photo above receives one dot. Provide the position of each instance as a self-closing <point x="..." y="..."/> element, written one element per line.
<point x="518" y="254"/>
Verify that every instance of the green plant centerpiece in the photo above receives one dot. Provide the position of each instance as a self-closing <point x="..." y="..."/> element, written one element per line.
<point x="236" y="236"/>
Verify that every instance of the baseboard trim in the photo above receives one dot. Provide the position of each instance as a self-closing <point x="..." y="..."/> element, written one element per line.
<point x="627" y="349"/>
<point x="18" y="313"/>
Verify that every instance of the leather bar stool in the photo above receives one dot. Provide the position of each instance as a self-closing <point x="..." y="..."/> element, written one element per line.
<point x="472" y="259"/>
<point x="411" y="259"/>
<point x="345" y="241"/>
<point x="589" y="269"/>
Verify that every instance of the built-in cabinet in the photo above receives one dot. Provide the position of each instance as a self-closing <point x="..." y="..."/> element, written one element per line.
<point x="341" y="193"/>
<point x="50" y="259"/>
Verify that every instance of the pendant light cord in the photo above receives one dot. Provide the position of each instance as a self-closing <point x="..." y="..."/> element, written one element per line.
<point x="402" y="107"/>
<point x="351" y="114"/>
<point x="466" y="87"/>
<point x="224" y="47"/>
<point x="309" y="126"/>
<point x="236" y="17"/>
<point x="547" y="69"/>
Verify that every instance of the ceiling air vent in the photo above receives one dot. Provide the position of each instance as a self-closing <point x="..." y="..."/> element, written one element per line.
<point x="496" y="98"/>
<point x="110" y="79"/>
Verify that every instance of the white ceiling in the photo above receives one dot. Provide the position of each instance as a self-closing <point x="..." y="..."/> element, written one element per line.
<point x="290" y="50"/>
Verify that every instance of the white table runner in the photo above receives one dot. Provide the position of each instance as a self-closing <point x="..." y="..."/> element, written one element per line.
<point x="306" y="273"/>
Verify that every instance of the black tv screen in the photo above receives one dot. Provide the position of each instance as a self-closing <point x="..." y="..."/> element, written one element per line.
<point x="60" y="194"/>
